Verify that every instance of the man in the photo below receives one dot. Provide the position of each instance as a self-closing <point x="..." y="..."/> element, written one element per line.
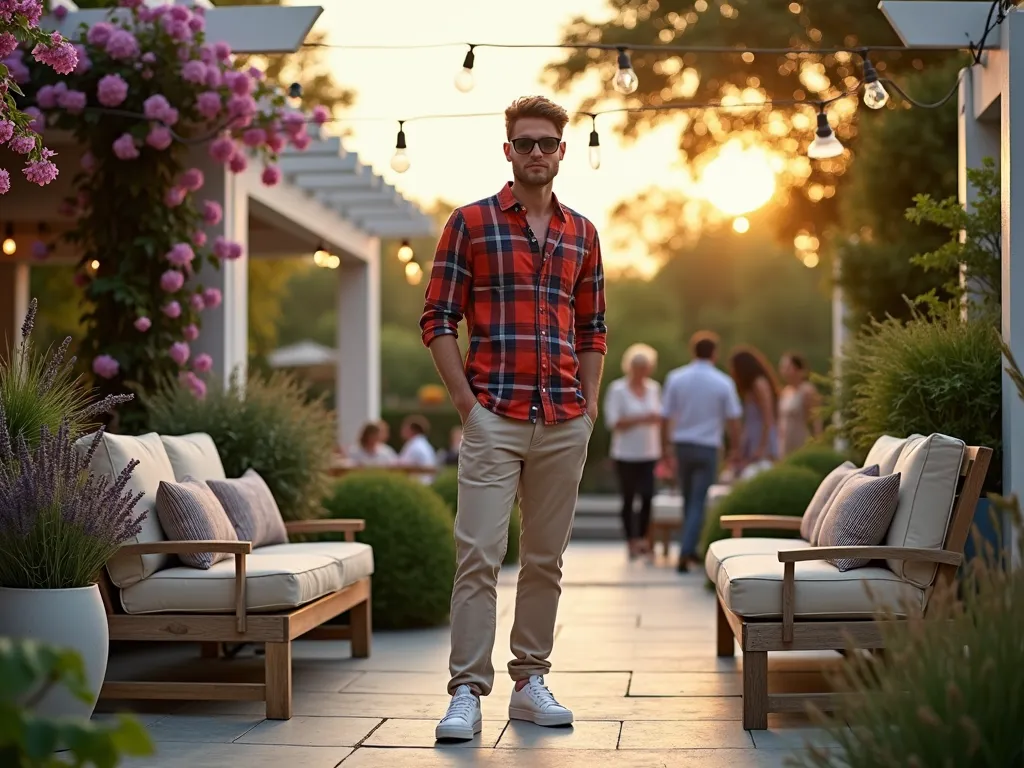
<point x="526" y="274"/>
<point x="699" y="402"/>
<point x="417" y="450"/>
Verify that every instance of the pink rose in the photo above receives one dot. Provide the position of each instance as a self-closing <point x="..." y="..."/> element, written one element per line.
<point x="271" y="175"/>
<point x="46" y="97"/>
<point x="172" y="281"/>
<point x="124" y="147"/>
<point x="179" y="352"/>
<point x="172" y="309"/>
<point x="195" y="385"/>
<point x="159" y="137"/>
<point x="122" y="45"/>
<point x="143" y="324"/>
<point x="302" y="141"/>
<point x="112" y="90"/>
<point x="175" y="196"/>
<point x="199" y="238"/>
<point x="321" y="114"/>
<point x="192" y="179"/>
<point x="202" y="362"/>
<point x="6" y="131"/>
<point x="105" y="366"/>
<point x="180" y="255"/>
<point x="222" y="149"/>
<point x="212" y="212"/>
<point x="197" y="302"/>
<point x="5" y="181"/>
<point x="194" y="72"/>
<point x="212" y="298"/>
<point x="238" y="162"/>
<point x="190" y="332"/>
<point x="208" y="104"/>
<point x="253" y="137"/>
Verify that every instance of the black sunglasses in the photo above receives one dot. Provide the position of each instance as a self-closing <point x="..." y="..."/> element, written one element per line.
<point x="548" y="145"/>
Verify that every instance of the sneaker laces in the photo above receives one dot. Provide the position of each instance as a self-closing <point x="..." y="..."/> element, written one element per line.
<point x="541" y="694"/>
<point x="463" y="706"/>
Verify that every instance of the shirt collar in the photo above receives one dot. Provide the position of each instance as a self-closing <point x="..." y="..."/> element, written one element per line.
<point x="507" y="201"/>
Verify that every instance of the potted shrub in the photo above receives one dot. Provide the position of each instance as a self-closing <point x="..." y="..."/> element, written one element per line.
<point x="59" y="524"/>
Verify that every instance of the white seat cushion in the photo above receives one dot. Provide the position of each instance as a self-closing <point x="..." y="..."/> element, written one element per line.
<point x="194" y="454"/>
<point x="272" y="583"/>
<point x="722" y="550"/>
<point x="111" y="457"/>
<point x="930" y="469"/>
<point x="355" y="557"/>
<point x="886" y="452"/>
<point x="751" y="586"/>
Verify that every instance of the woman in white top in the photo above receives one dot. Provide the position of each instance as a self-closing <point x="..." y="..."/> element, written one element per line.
<point x="371" y="450"/>
<point x="799" y="420"/>
<point x="632" y="411"/>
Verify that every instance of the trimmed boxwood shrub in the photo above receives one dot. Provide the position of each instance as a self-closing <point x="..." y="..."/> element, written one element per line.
<point x="409" y="527"/>
<point x="447" y="486"/>
<point x="820" y="459"/>
<point x="781" y="490"/>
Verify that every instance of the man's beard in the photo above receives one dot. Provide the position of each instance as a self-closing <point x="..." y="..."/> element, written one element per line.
<point x="534" y="177"/>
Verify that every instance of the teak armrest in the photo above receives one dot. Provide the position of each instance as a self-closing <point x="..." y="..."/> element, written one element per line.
<point x="348" y="527"/>
<point x="237" y="548"/>
<point x="791" y="557"/>
<point x="739" y="523"/>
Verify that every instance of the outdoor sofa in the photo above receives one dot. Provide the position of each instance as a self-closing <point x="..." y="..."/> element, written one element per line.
<point x="781" y="594"/>
<point x="268" y="595"/>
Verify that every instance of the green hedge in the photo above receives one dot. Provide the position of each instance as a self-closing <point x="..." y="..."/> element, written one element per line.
<point x="781" y="490"/>
<point x="447" y="486"/>
<point x="409" y="527"/>
<point x="818" y="458"/>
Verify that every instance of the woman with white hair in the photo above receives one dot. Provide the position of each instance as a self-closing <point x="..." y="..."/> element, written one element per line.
<point x="632" y="412"/>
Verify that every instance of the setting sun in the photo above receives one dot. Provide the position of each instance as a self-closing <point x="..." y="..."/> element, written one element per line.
<point x="739" y="180"/>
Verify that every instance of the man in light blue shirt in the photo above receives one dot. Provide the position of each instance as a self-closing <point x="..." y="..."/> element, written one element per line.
<point x="699" y="403"/>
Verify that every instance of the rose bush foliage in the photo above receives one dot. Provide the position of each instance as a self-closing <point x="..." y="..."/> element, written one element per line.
<point x="149" y="94"/>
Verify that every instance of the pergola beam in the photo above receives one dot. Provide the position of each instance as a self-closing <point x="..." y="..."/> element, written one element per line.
<point x="938" y="24"/>
<point x="247" y="29"/>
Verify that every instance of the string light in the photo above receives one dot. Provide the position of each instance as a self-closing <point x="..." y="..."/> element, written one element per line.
<point x="825" y="143"/>
<point x="400" y="160"/>
<point x="464" y="78"/>
<point x="875" y="95"/>
<point x="405" y="252"/>
<point x="595" y="145"/>
<point x="626" y="81"/>
<point x="413" y="273"/>
<point x="741" y="225"/>
<point x="9" y="245"/>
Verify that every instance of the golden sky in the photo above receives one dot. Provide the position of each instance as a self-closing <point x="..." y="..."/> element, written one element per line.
<point x="462" y="160"/>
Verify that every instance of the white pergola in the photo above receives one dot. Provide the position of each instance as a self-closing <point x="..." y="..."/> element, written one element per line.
<point x="991" y="116"/>
<point x="327" y="199"/>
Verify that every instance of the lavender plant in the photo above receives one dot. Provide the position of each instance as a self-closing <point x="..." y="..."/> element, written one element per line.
<point x="43" y="390"/>
<point x="59" y="522"/>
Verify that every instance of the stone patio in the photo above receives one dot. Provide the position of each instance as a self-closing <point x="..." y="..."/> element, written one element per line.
<point x="634" y="658"/>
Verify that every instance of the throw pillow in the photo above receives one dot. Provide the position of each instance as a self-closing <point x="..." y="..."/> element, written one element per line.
<point x="825" y="489"/>
<point x="250" y="506"/>
<point x="188" y="511"/>
<point x="871" y="470"/>
<point x="860" y="515"/>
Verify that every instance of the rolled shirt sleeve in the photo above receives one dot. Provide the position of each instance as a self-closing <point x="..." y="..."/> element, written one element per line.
<point x="447" y="292"/>
<point x="591" y="331"/>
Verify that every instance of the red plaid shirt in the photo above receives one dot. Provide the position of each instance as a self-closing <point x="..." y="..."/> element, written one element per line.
<point x="529" y="312"/>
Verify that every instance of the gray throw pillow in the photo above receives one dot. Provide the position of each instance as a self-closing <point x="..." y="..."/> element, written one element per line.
<point x="821" y="496"/>
<point x="860" y="515"/>
<point x="251" y="508"/>
<point x="188" y="511"/>
<point x="867" y="471"/>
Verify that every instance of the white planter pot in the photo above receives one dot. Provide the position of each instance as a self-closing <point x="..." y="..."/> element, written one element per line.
<point x="67" y="618"/>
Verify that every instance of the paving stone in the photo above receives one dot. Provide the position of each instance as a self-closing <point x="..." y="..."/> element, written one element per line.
<point x="580" y="735"/>
<point x="721" y="683"/>
<point x="793" y="731"/>
<point x="305" y="731"/>
<point x="198" y="728"/>
<point x="180" y="755"/>
<point x="420" y="733"/>
<point x="629" y="708"/>
<point x="639" y="734"/>
<point x="565" y="683"/>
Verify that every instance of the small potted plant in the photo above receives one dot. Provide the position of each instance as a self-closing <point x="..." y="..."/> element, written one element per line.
<point x="59" y="524"/>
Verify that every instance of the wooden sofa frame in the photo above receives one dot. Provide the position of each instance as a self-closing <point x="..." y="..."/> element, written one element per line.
<point x="759" y="636"/>
<point x="275" y="630"/>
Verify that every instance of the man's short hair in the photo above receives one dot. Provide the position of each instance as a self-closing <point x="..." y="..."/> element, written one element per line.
<point x="535" y="106"/>
<point x="418" y="424"/>
<point x="703" y="344"/>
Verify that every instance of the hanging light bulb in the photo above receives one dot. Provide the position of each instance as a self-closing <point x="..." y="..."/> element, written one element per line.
<point x="875" y="95"/>
<point x="400" y="160"/>
<point x="625" y="80"/>
<point x="320" y="256"/>
<point x="464" y="78"/>
<point x="295" y="95"/>
<point x="333" y="261"/>
<point x="413" y="273"/>
<point x="405" y="252"/>
<point x="825" y="143"/>
<point x="9" y="245"/>
<point x="595" y="146"/>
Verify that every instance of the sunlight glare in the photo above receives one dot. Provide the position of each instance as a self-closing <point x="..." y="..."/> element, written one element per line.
<point x="741" y="225"/>
<point x="739" y="180"/>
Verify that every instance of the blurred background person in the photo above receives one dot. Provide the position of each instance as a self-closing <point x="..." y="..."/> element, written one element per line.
<point x="632" y="412"/>
<point x="799" y="418"/>
<point x="371" y="450"/>
<point x="416" y="448"/>
<point x="759" y="393"/>
<point x="450" y="456"/>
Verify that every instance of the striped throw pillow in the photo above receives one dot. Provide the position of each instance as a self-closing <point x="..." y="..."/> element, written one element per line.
<point x="871" y="470"/>
<point x="188" y="511"/>
<point x="251" y="508"/>
<point x="860" y="515"/>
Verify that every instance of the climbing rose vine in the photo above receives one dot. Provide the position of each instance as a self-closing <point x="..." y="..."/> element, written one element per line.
<point x="150" y="102"/>
<point x="19" y="30"/>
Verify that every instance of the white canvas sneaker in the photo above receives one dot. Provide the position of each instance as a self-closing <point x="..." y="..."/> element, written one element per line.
<point x="463" y="719"/>
<point x="536" y="704"/>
